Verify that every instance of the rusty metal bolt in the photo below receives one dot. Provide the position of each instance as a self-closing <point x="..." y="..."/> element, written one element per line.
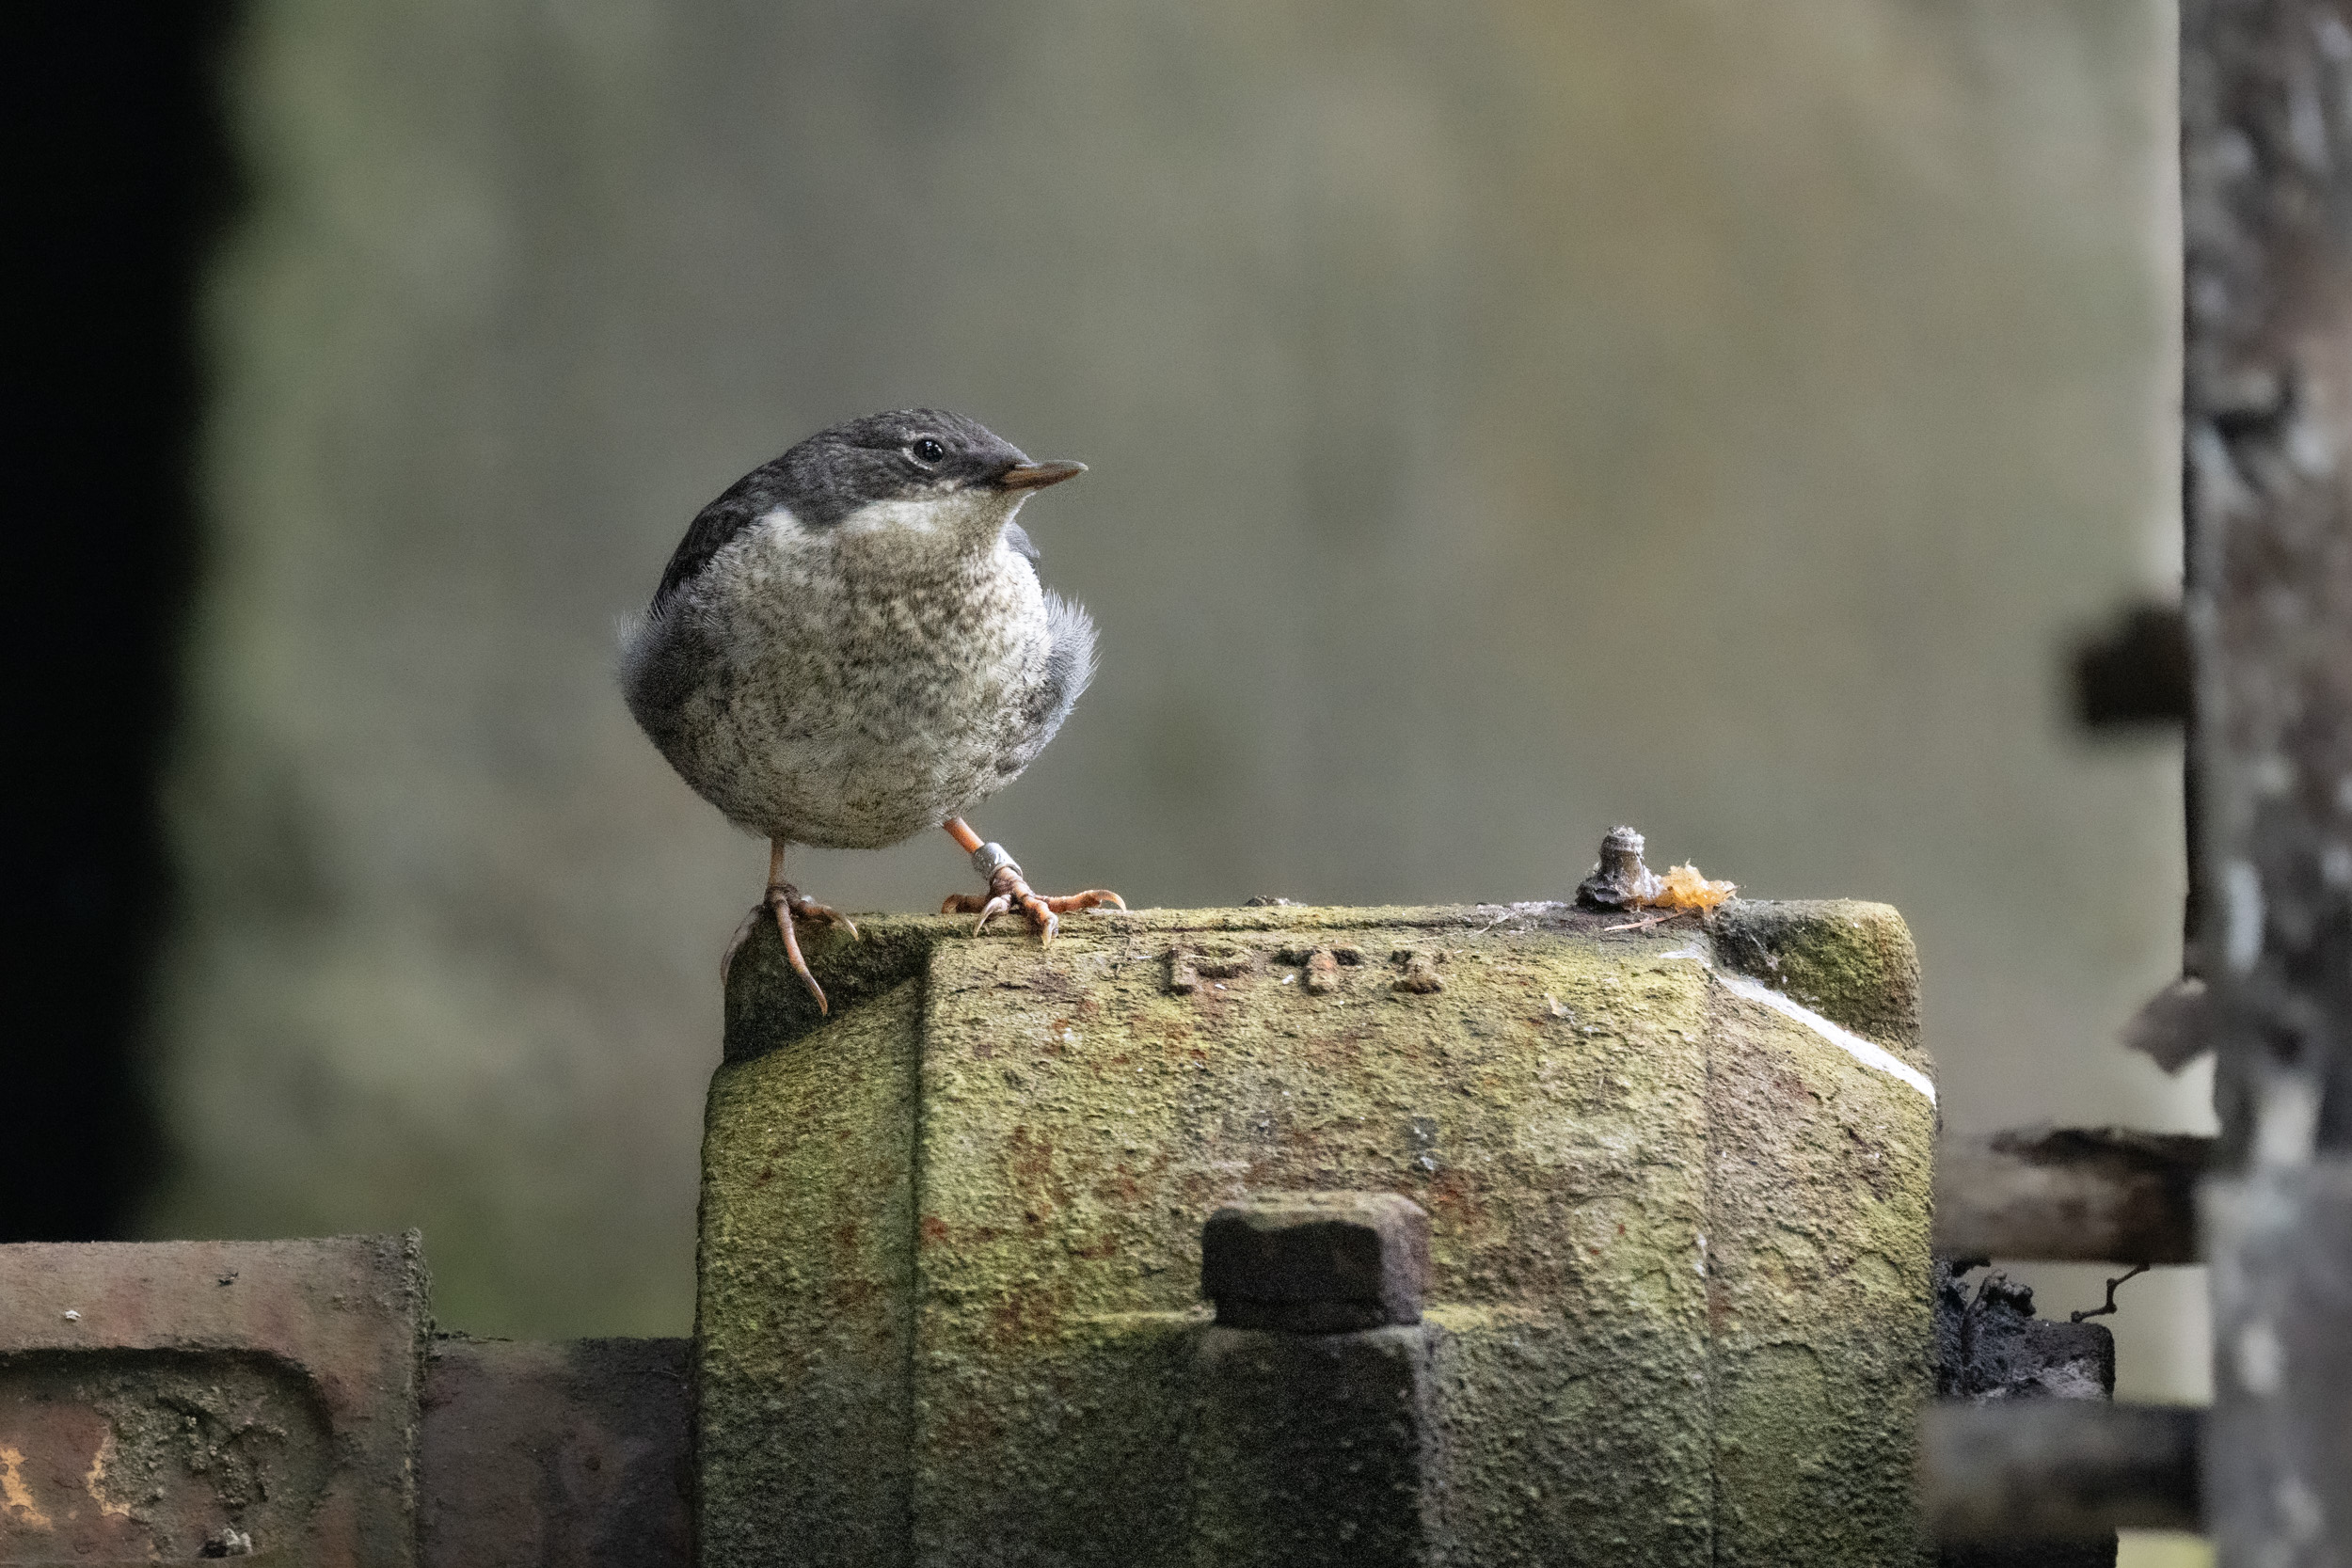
<point x="1619" y="880"/>
<point x="1316" y="1262"/>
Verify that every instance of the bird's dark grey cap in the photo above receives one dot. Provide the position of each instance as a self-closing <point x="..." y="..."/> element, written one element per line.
<point x="904" y="454"/>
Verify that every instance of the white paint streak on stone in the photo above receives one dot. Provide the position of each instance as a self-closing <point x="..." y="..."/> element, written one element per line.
<point x="1869" y="1053"/>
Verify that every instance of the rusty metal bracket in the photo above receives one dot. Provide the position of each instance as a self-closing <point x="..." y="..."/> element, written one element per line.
<point x="173" y="1400"/>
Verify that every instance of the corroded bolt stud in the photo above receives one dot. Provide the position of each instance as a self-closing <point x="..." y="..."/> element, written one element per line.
<point x="1188" y="968"/>
<point x="1323" y="971"/>
<point x="1420" y="978"/>
<point x="1316" y="1262"/>
<point x="1619" y="880"/>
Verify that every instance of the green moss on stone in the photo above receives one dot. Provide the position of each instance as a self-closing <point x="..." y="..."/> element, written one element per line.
<point x="803" y="1309"/>
<point x="951" y="1235"/>
<point x="1851" y="962"/>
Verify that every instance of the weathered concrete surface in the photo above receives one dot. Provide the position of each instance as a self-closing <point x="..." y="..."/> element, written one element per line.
<point x="1679" y="1293"/>
<point x="1315" y="1450"/>
<point x="569" y="1455"/>
<point x="806" y="1276"/>
<point x="169" y="1401"/>
<point x="1851" y="962"/>
<point x="1816" y="1257"/>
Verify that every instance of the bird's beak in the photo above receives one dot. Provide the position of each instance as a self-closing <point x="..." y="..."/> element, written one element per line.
<point x="1037" y="476"/>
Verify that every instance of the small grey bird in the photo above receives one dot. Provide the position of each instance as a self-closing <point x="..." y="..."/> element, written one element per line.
<point x="850" y="647"/>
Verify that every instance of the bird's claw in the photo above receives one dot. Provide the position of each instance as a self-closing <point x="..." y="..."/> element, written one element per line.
<point x="789" y="904"/>
<point x="990" y="911"/>
<point x="1007" y="887"/>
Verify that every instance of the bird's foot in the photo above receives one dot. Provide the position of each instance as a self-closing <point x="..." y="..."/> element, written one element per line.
<point x="787" y="904"/>
<point x="1006" y="889"/>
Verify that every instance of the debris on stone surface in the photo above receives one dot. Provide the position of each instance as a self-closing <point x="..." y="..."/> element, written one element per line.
<point x="2108" y="1307"/>
<point x="1684" y="888"/>
<point x="1990" y="1345"/>
<point x="1620" y="880"/>
<point x="1991" y="1349"/>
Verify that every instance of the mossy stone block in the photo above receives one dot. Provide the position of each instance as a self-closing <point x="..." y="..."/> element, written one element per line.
<point x="1677" y="1301"/>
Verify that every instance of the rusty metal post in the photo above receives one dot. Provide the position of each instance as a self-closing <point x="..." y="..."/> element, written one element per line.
<point x="2266" y="165"/>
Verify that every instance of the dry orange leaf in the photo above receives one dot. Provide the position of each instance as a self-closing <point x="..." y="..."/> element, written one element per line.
<point x="1683" y="888"/>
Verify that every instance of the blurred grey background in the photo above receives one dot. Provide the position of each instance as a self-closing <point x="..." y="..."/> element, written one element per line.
<point x="1506" y="420"/>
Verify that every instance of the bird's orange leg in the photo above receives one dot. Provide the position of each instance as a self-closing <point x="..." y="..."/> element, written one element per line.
<point x="1006" y="889"/>
<point x="785" y="902"/>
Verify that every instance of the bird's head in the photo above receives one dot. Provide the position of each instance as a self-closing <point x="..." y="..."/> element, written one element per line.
<point x="913" y="473"/>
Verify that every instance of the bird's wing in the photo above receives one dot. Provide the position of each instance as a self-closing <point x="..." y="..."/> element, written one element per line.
<point x="664" y="657"/>
<point x="710" y="531"/>
<point x="1018" y="537"/>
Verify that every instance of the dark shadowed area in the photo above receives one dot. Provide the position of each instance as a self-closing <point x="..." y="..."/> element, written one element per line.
<point x="120" y="179"/>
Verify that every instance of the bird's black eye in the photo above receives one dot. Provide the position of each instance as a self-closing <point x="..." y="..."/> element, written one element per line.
<point x="927" y="451"/>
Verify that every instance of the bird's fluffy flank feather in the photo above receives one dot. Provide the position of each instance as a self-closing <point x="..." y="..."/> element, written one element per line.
<point x="1069" y="659"/>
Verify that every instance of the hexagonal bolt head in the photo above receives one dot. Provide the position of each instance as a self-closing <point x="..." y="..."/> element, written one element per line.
<point x="1316" y="1262"/>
